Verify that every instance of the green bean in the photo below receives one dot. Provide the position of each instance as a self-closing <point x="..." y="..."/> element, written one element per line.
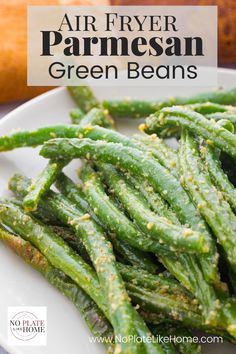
<point x="153" y="282"/>
<point x="211" y="108"/>
<point x="155" y="201"/>
<point x="19" y="185"/>
<point x="93" y="316"/>
<point x="75" y="192"/>
<point x="181" y="268"/>
<point x="211" y="204"/>
<point x="150" y="223"/>
<point x="128" y="253"/>
<point x="155" y="319"/>
<point x="169" y="348"/>
<point x="219" y="178"/>
<point x="132" y="256"/>
<point x="141" y="164"/>
<point x="97" y="116"/>
<point x="131" y="160"/>
<point x="200" y="285"/>
<point x="174" y="131"/>
<point x="72" y="240"/>
<point x="42" y="183"/>
<point x="160" y="331"/>
<point x="226" y="124"/>
<point x="209" y="201"/>
<point x="160" y="150"/>
<point x="154" y="141"/>
<point x="124" y="252"/>
<point x="112" y="217"/>
<point x="153" y="304"/>
<point x="113" y="301"/>
<point x="177" y="307"/>
<point x="186" y="269"/>
<point x="180" y="337"/>
<point x="41" y="213"/>
<point x="224" y="115"/>
<point x="116" y="221"/>
<point x="83" y="97"/>
<point x="51" y="171"/>
<point x="141" y="108"/>
<point x="186" y="347"/>
<point x="76" y="115"/>
<point x="101" y="254"/>
<point x="53" y="248"/>
<point x="131" y="108"/>
<point x="196" y="123"/>
<point x="162" y="287"/>
<point x="39" y="136"/>
<point x="121" y="314"/>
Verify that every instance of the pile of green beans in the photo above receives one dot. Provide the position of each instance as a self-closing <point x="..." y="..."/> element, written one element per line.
<point x="135" y="242"/>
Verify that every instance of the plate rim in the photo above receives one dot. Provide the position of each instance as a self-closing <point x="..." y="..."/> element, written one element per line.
<point x="47" y="94"/>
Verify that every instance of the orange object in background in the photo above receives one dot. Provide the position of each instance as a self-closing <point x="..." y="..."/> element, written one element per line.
<point x="226" y="22"/>
<point x="13" y="46"/>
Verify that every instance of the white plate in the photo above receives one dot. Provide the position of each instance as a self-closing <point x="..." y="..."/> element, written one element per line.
<point x="22" y="286"/>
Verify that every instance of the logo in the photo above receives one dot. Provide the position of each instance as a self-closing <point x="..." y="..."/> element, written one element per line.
<point x="27" y="326"/>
